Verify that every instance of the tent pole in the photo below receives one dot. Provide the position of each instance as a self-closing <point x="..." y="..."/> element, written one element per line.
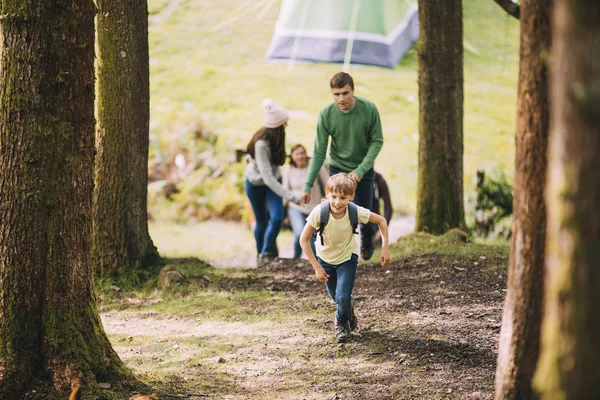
<point x="296" y="44"/>
<point x="350" y="41"/>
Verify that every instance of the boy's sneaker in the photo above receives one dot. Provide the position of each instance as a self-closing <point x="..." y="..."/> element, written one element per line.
<point x="342" y="331"/>
<point x="353" y="320"/>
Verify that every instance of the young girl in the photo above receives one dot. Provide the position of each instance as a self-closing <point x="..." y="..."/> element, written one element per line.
<point x="266" y="152"/>
<point x="293" y="179"/>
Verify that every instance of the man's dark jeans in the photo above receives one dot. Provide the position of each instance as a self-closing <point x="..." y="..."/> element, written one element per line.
<point x="363" y="198"/>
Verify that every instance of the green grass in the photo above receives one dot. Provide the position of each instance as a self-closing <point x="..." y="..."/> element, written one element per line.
<point x="424" y="243"/>
<point x="205" y="69"/>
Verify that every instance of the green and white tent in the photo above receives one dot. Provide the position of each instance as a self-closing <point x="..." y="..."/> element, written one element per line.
<point x="373" y="32"/>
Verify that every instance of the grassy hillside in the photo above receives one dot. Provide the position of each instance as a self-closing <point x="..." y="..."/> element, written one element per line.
<point x="207" y="64"/>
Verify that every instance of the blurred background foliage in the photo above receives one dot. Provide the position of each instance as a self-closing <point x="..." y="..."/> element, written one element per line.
<point x="209" y="76"/>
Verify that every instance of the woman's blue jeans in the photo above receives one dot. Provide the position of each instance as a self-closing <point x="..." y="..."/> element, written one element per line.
<point x="340" y="285"/>
<point x="363" y="198"/>
<point x="268" y="211"/>
<point x="297" y="221"/>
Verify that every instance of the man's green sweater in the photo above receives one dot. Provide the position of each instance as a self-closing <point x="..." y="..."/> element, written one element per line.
<point x="356" y="139"/>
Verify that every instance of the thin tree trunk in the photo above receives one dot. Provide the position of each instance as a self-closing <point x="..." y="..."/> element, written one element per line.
<point x="49" y="325"/>
<point x="521" y="320"/>
<point x="569" y="366"/>
<point x="440" y="187"/>
<point x="121" y="238"/>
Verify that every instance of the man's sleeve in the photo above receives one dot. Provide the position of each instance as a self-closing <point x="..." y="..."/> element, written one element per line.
<point x="318" y="156"/>
<point x="376" y="135"/>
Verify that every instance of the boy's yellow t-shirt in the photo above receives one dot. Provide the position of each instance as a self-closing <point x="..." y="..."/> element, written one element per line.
<point x="339" y="241"/>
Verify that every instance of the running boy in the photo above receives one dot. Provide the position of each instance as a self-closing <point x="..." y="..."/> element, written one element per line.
<point x="337" y="251"/>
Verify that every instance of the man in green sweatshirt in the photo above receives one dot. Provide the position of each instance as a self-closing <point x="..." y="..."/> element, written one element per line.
<point x="354" y="126"/>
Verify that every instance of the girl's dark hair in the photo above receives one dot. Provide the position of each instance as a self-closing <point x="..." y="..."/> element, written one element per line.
<point x="297" y="146"/>
<point x="275" y="137"/>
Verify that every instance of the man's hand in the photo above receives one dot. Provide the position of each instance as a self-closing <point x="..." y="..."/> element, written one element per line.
<point x="305" y="199"/>
<point x="385" y="256"/>
<point x="354" y="176"/>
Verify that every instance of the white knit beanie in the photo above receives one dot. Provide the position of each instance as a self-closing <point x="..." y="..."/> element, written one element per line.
<point x="274" y="114"/>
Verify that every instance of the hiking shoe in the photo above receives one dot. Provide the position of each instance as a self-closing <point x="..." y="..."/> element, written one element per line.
<point x="353" y="320"/>
<point x="366" y="253"/>
<point x="342" y="331"/>
<point x="264" y="259"/>
<point x="366" y="248"/>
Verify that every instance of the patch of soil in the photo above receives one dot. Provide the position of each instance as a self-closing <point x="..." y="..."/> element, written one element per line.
<point x="428" y="329"/>
<point x="434" y="320"/>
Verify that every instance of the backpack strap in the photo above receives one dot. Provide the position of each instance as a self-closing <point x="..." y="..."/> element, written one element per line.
<point x="353" y="214"/>
<point x="323" y="219"/>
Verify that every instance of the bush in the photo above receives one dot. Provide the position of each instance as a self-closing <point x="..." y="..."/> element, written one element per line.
<point x="489" y="208"/>
<point x="193" y="176"/>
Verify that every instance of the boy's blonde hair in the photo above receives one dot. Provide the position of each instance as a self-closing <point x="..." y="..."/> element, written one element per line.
<point x="341" y="184"/>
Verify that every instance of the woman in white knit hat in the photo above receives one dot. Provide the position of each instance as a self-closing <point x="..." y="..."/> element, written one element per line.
<point x="267" y="153"/>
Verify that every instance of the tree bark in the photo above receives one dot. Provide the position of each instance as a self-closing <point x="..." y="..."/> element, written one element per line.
<point x="569" y="366"/>
<point x="440" y="186"/>
<point x="519" y="337"/>
<point x="49" y="325"/>
<point x="121" y="238"/>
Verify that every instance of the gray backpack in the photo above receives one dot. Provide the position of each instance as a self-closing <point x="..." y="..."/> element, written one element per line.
<point x="324" y="218"/>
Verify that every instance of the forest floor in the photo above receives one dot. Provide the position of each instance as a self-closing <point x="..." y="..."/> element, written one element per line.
<point x="428" y="328"/>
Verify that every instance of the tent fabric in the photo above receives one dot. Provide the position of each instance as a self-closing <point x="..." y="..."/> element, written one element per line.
<point x="378" y="32"/>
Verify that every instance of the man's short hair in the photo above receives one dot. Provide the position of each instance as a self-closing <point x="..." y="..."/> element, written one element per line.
<point x="341" y="184"/>
<point x="340" y="80"/>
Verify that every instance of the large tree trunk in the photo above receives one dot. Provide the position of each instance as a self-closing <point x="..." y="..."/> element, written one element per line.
<point x="440" y="188"/>
<point x="519" y="337"/>
<point x="49" y="325"/>
<point x="569" y="366"/>
<point x="121" y="238"/>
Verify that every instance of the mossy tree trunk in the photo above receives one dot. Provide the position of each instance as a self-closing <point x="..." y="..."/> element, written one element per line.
<point x="49" y="325"/>
<point x="520" y="334"/>
<point x="121" y="238"/>
<point x="569" y="365"/>
<point x="440" y="186"/>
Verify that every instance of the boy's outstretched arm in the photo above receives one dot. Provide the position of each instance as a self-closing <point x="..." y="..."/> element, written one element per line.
<point x="383" y="227"/>
<point x="304" y="236"/>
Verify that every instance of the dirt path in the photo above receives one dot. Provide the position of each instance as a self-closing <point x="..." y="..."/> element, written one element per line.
<point x="428" y="324"/>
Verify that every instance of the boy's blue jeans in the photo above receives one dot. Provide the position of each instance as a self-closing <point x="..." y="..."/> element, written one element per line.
<point x="340" y="285"/>
<point x="297" y="221"/>
<point x="268" y="221"/>
<point x="364" y="198"/>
